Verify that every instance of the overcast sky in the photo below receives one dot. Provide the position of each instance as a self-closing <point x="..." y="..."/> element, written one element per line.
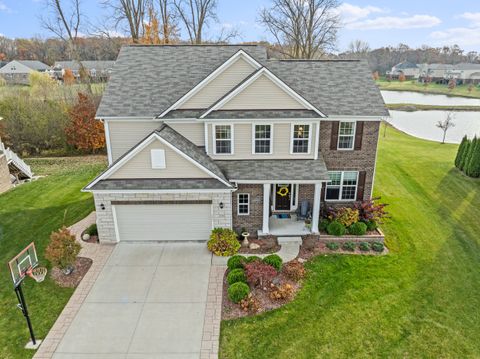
<point x="414" y="22"/>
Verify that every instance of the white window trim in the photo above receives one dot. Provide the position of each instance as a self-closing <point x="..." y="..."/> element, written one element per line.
<point x="232" y="139"/>
<point x="253" y="138"/>
<point x="292" y="126"/>
<point x="354" y="134"/>
<point x="341" y="188"/>
<point x="248" y="204"/>
<point x="160" y="152"/>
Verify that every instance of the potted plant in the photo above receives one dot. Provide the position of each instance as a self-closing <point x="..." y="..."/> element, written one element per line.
<point x="308" y="224"/>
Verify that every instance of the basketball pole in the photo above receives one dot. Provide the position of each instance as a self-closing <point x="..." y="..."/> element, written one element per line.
<point x="23" y="306"/>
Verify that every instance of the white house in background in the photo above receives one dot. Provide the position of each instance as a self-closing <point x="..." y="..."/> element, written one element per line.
<point x="409" y="69"/>
<point x="97" y="70"/>
<point x="465" y="72"/>
<point x="17" y="71"/>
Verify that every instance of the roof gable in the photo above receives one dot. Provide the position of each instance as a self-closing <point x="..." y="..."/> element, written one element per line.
<point x="216" y="84"/>
<point x="262" y="91"/>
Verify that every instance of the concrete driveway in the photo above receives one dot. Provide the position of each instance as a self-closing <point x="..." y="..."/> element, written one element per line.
<point x="148" y="302"/>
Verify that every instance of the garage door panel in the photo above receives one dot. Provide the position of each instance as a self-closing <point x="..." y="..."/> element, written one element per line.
<point x="164" y="222"/>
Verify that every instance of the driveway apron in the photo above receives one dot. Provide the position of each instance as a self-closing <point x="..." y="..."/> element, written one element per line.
<point x="148" y="302"/>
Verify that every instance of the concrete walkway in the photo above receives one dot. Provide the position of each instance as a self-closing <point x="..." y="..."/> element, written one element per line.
<point x="149" y="301"/>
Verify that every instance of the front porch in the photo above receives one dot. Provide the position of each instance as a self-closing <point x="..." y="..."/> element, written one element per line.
<point x="279" y="225"/>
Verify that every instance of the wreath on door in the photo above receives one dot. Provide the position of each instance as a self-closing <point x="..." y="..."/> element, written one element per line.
<point x="283" y="191"/>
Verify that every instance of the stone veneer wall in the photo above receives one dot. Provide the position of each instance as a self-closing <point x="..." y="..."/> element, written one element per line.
<point x="105" y="224"/>
<point x="253" y="221"/>
<point x="5" y="181"/>
<point x="360" y="160"/>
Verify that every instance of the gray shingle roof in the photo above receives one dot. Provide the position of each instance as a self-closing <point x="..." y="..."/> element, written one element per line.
<point x="275" y="170"/>
<point x="34" y="64"/>
<point x="228" y="114"/>
<point x="156" y="184"/>
<point x="146" y="80"/>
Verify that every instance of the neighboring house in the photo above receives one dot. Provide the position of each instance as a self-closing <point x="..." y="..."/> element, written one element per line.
<point x="464" y="73"/>
<point x="222" y="136"/>
<point x="13" y="169"/>
<point x="18" y="71"/>
<point x="97" y="70"/>
<point x="409" y="69"/>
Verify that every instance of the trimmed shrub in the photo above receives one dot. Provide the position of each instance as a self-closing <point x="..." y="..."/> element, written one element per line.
<point x="323" y="225"/>
<point x="236" y="275"/>
<point x="236" y="261"/>
<point x="335" y="228"/>
<point x="259" y="273"/>
<point x="274" y="260"/>
<point x="333" y="246"/>
<point x="223" y="242"/>
<point x="377" y="246"/>
<point x="294" y="270"/>
<point x="358" y="229"/>
<point x="461" y="151"/>
<point x="371" y="225"/>
<point x="92" y="230"/>
<point x="463" y="160"/>
<point x="348" y="246"/>
<point x="473" y="169"/>
<point x="238" y="291"/>
<point x="253" y="259"/>
<point x="470" y="156"/>
<point x="364" y="246"/>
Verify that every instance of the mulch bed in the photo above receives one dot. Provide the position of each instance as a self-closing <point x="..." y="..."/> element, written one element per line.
<point x="231" y="310"/>
<point x="312" y="247"/>
<point x="267" y="245"/>
<point x="82" y="265"/>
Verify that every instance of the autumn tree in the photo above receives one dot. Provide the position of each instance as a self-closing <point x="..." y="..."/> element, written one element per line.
<point x="68" y="77"/>
<point x="151" y="34"/>
<point x="401" y="77"/>
<point x="43" y="86"/>
<point x="376" y="76"/>
<point x="84" y="132"/>
<point x="452" y="84"/>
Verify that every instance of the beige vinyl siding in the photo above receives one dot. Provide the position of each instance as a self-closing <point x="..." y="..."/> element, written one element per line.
<point x="219" y="86"/>
<point x="164" y="222"/>
<point x="140" y="166"/>
<point x="243" y="143"/>
<point x="262" y="94"/>
<point x="126" y="134"/>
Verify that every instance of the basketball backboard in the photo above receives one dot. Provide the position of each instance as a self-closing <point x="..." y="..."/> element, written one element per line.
<point x="22" y="262"/>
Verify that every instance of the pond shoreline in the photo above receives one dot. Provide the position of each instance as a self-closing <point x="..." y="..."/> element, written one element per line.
<point x="411" y="107"/>
<point x="430" y="91"/>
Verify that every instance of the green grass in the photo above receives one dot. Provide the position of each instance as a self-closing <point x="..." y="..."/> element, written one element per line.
<point x="30" y="213"/>
<point x="432" y="88"/>
<point x="420" y="301"/>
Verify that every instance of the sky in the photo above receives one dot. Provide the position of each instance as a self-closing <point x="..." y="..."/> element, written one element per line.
<point x="380" y="23"/>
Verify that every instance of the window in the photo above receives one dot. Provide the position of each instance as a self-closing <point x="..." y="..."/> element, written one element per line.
<point x="342" y="186"/>
<point x="262" y="139"/>
<point x="222" y="139"/>
<point x="158" y="159"/>
<point x="243" y="203"/>
<point x="346" y="135"/>
<point x="301" y="139"/>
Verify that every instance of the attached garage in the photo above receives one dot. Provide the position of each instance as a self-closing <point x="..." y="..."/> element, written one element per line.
<point x="156" y="221"/>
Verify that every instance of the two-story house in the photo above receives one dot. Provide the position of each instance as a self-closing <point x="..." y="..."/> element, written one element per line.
<point x="223" y="136"/>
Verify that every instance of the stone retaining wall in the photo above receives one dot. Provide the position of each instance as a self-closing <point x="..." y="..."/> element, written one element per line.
<point x="379" y="237"/>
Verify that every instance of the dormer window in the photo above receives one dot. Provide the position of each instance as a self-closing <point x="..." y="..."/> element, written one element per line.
<point x="223" y="139"/>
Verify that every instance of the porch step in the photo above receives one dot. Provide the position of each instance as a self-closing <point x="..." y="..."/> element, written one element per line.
<point x="289" y="240"/>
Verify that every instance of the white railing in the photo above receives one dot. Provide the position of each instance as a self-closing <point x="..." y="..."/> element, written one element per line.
<point x="17" y="161"/>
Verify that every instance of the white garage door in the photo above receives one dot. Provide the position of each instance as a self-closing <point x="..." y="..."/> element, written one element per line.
<point x="163" y="222"/>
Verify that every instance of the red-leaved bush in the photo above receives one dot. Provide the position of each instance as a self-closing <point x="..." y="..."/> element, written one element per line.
<point x="371" y="211"/>
<point x="259" y="273"/>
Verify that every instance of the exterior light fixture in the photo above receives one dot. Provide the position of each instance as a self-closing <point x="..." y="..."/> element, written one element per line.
<point x="102" y="206"/>
<point x="221" y="205"/>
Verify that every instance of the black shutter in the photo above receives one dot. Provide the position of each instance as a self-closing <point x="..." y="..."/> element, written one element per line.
<point x="361" y="185"/>
<point x="334" y="138"/>
<point x="359" y="135"/>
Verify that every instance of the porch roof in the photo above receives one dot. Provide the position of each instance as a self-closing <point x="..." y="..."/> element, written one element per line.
<point x="275" y="170"/>
<point x="159" y="184"/>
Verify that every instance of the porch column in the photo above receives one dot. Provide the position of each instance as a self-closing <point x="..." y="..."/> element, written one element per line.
<point x="266" y="207"/>
<point x="316" y="207"/>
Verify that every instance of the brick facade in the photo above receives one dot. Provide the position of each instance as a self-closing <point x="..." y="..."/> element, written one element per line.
<point x="221" y="217"/>
<point x="5" y="181"/>
<point x="355" y="160"/>
<point x="254" y="220"/>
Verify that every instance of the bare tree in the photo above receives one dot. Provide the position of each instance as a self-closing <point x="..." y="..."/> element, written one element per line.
<point x="129" y="13"/>
<point x="358" y="48"/>
<point x="446" y="124"/>
<point x="169" y="31"/>
<point x="303" y="28"/>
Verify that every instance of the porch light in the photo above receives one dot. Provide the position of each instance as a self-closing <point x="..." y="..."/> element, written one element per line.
<point x="102" y="207"/>
<point x="221" y="205"/>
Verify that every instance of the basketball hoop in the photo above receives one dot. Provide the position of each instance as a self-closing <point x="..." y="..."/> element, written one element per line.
<point x="38" y="273"/>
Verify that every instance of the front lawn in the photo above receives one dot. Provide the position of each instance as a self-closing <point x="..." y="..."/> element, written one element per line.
<point x="421" y="300"/>
<point x="30" y="213"/>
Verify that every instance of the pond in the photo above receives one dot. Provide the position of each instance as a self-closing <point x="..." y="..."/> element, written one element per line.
<point x="422" y="124"/>
<point x="427" y="99"/>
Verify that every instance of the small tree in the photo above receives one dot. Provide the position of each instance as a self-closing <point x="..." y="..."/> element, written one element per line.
<point x="470" y="88"/>
<point x="42" y="84"/>
<point x="401" y="77"/>
<point x="463" y="160"/>
<point x="452" y="84"/>
<point x="376" y="76"/>
<point x="460" y="151"/>
<point x="84" y="132"/>
<point x="474" y="161"/>
<point x="68" y="77"/>
<point x="470" y="156"/>
<point x="63" y="249"/>
<point x="446" y="124"/>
